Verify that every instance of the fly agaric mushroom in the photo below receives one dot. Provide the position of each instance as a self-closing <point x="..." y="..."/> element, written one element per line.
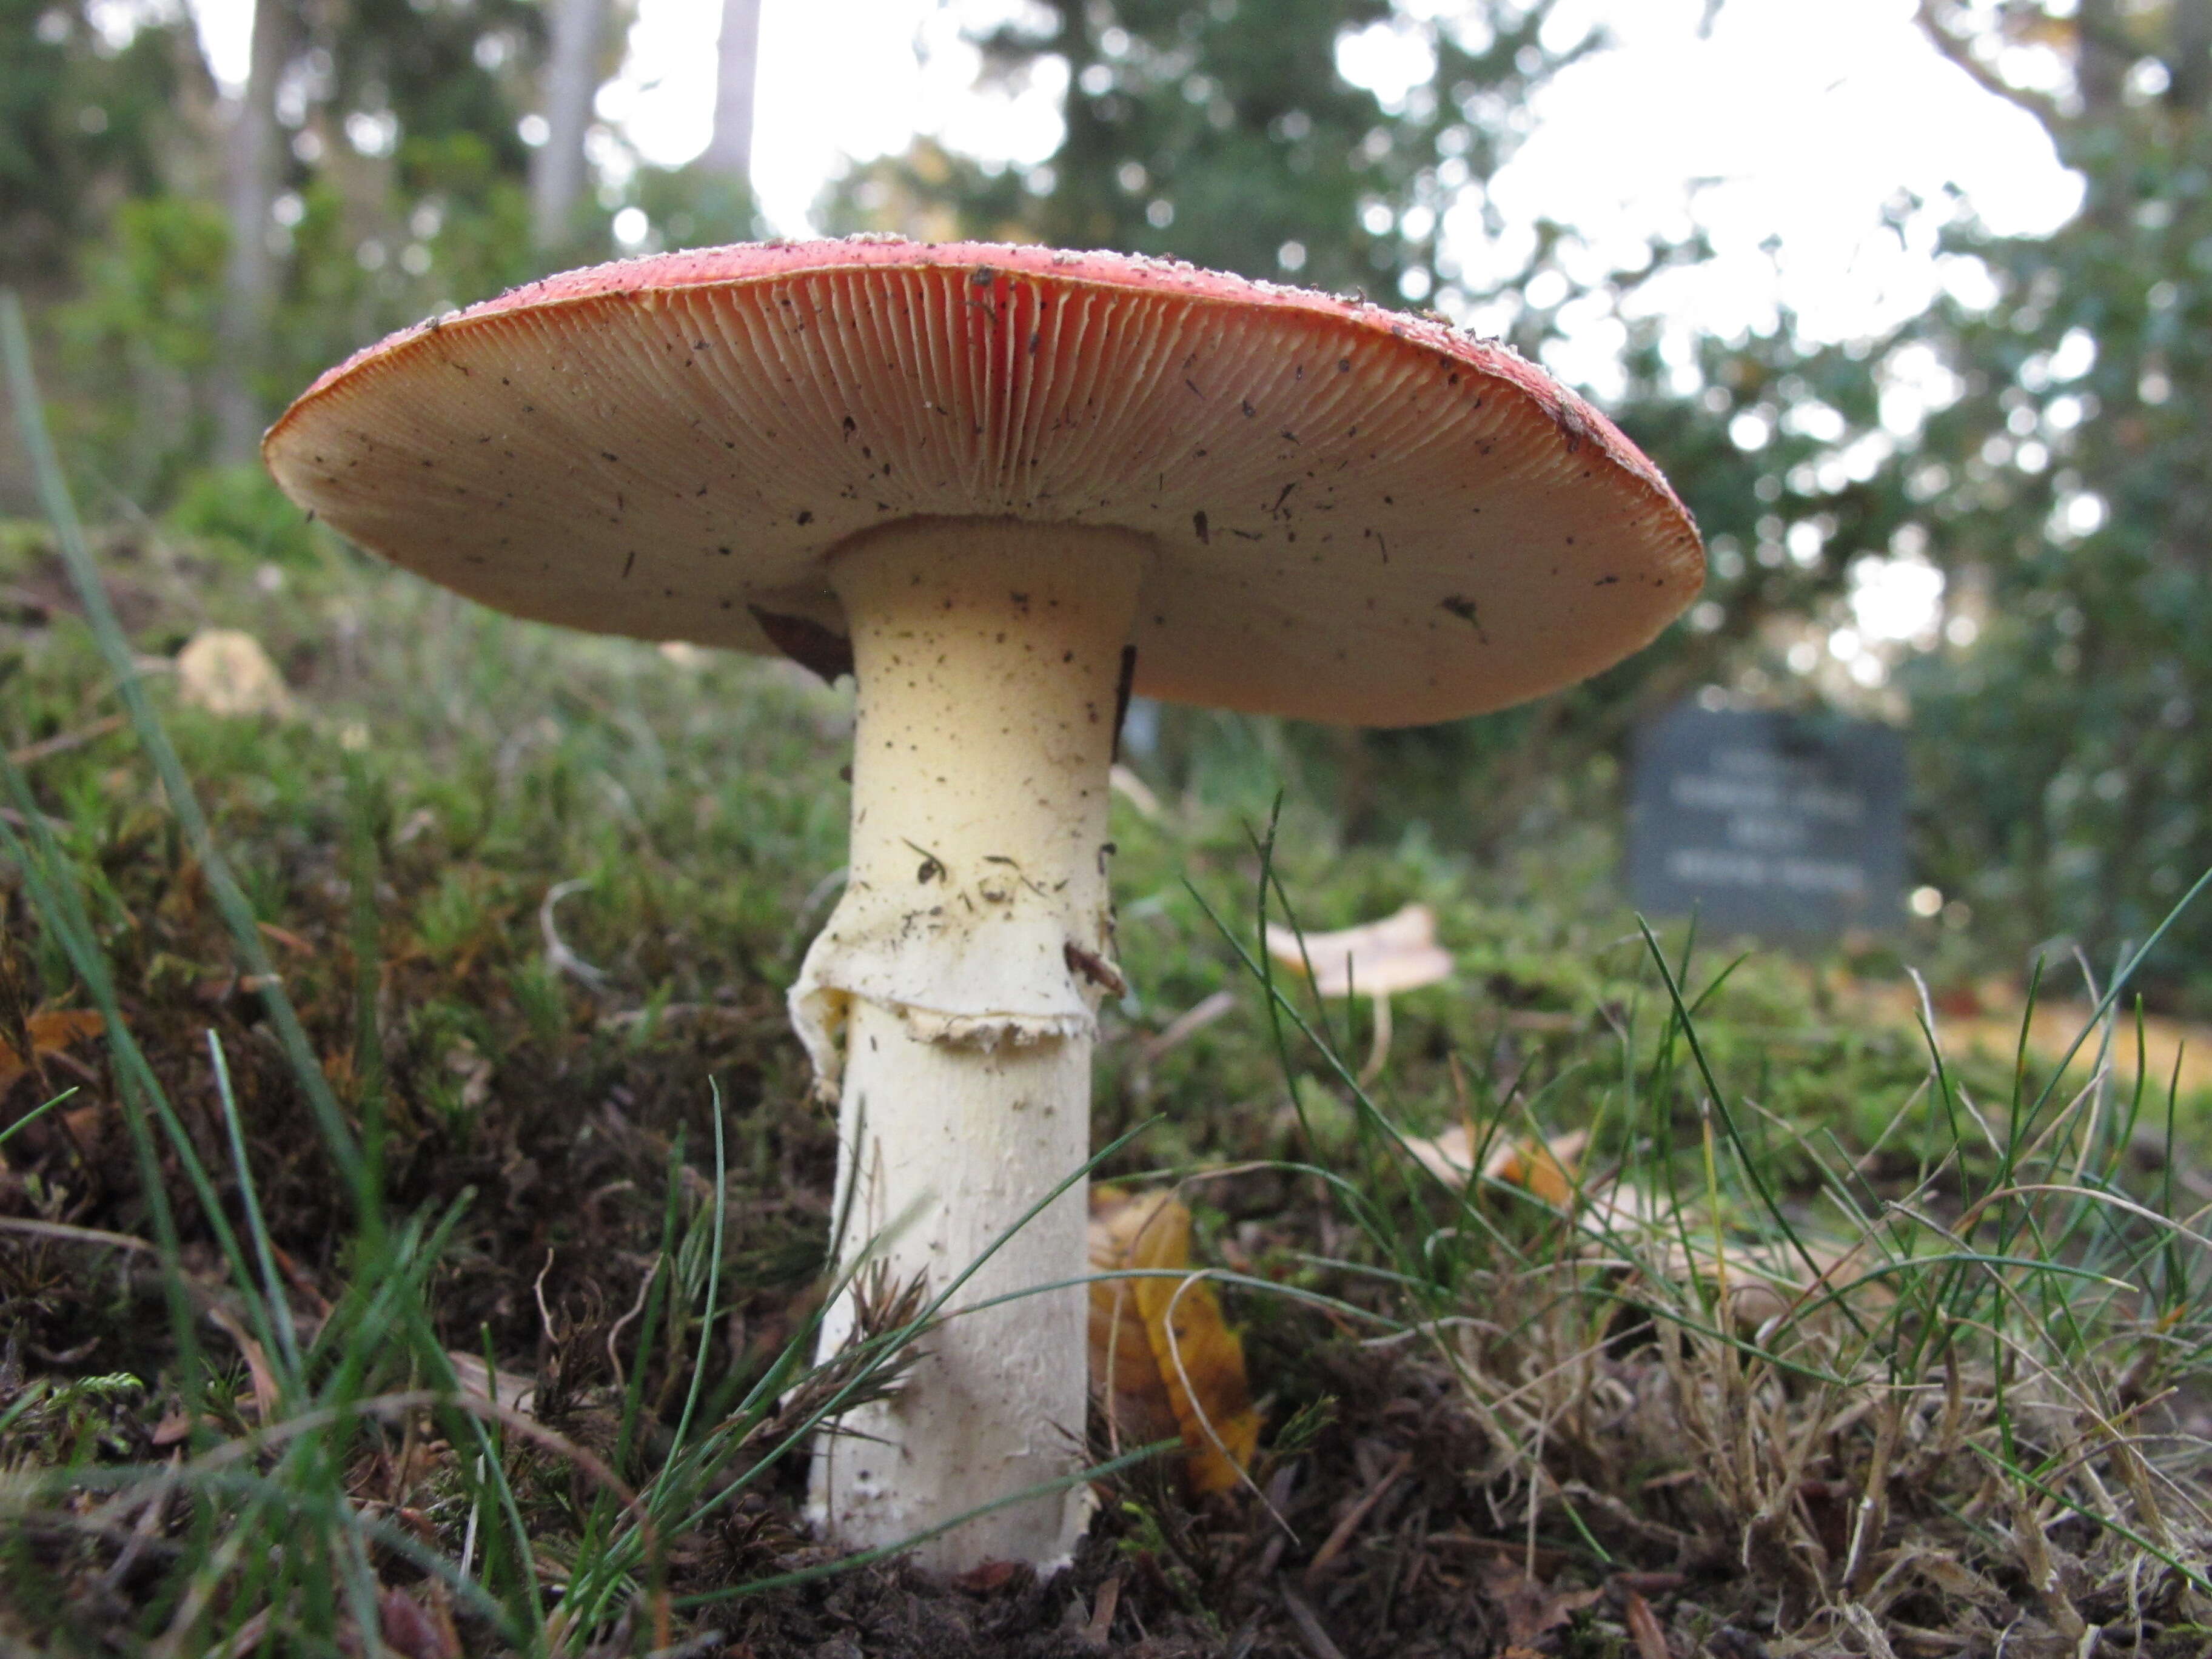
<point x="1006" y="485"/>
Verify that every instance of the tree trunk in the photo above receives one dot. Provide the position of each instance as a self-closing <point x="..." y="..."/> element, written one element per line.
<point x="2102" y="57"/>
<point x="572" y="81"/>
<point x="2191" y="60"/>
<point x="729" y="151"/>
<point x="2100" y="68"/>
<point x="252" y="167"/>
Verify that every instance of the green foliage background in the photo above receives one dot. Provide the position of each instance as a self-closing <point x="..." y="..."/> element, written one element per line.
<point x="2060" y="748"/>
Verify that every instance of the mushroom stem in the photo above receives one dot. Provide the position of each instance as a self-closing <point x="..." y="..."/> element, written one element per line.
<point x="963" y="968"/>
<point x="1378" y="1052"/>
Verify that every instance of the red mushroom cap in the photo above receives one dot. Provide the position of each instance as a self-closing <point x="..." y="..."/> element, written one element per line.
<point x="1359" y="515"/>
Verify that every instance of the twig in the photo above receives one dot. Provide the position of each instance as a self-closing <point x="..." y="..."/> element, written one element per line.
<point x="1644" y="1626"/>
<point x="556" y="950"/>
<point x="10" y="815"/>
<point x="1100" y="1629"/>
<point x="149" y="1523"/>
<point x="614" y="1359"/>
<point x="247" y="1637"/>
<point x="1188" y="1024"/>
<point x="1378" y="1053"/>
<point x="538" y="1290"/>
<point x="1310" y="1626"/>
<point x="1869" y="1629"/>
<point x="695" y="1647"/>
<point x="62" y="742"/>
<point x="16" y="1223"/>
<point x="1333" y="1546"/>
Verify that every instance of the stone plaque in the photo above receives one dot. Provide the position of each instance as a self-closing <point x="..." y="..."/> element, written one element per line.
<point x="1784" y="826"/>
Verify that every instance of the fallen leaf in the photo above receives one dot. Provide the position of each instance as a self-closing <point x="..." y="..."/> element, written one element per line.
<point x="225" y="672"/>
<point x="414" y="1631"/>
<point x="1160" y="1351"/>
<point x="51" y="1032"/>
<point x="84" y="1123"/>
<point x="515" y="1393"/>
<point x="1768" y="1278"/>
<point x="1765" y="1279"/>
<point x="1644" y="1626"/>
<point x="1543" y="1168"/>
<point x="1643" y="1230"/>
<point x="1377" y="958"/>
<point x="171" y="1428"/>
<point x="1530" y="1609"/>
<point x="266" y="1394"/>
<point x="986" y="1577"/>
<point x="1124" y="1372"/>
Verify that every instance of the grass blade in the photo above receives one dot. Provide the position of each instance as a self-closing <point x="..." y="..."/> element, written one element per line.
<point x="184" y="801"/>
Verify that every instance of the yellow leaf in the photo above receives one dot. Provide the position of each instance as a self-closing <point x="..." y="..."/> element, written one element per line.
<point x="1161" y="1355"/>
<point x="1544" y="1169"/>
<point x="51" y="1032"/>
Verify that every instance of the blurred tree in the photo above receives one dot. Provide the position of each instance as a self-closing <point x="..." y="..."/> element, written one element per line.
<point x="558" y="169"/>
<point x="2067" y="489"/>
<point x="711" y="200"/>
<point x="87" y="120"/>
<point x="253" y="169"/>
<point x="139" y="340"/>
<point x="1223" y="131"/>
<point x="373" y="170"/>
<point x="737" y="67"/>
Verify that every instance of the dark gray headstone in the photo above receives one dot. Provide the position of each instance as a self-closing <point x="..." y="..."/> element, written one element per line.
<point x="1786" y="826"/>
